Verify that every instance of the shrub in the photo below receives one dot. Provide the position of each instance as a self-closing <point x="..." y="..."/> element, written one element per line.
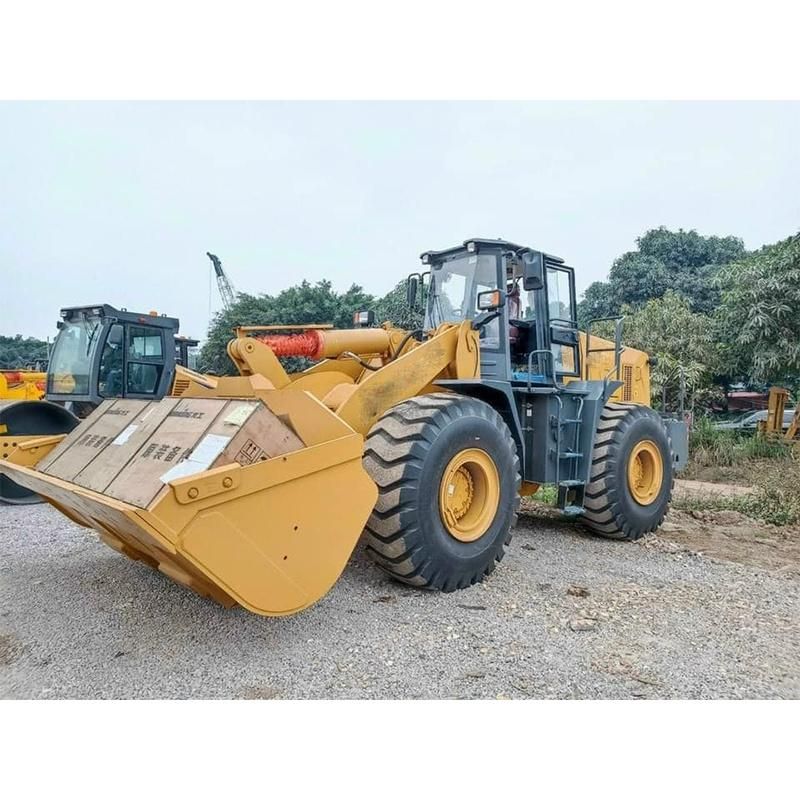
<point x="711" y="447"/>
<point x="775" y="498"/>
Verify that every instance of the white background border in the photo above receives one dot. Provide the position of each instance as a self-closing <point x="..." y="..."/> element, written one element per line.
<point x="420" y="50"/>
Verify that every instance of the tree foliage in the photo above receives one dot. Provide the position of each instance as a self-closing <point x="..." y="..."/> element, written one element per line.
<point x="636" y="278"/>
<point x="17" y="352"/>
<point x="682" y="341"/>
<point x="393" y="307"/>
<point x="758" y="321"/>
<point x="598" y="301"/>
<point x="298" y="305"/>
<point x="680" y="261"/>
<point x="688" y="251"/>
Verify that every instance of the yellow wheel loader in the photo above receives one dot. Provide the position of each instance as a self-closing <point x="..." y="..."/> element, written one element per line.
<point x="255" y="489"/>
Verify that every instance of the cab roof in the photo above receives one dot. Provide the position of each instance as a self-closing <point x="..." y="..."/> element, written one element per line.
<point x="494" y="243"/>
<point x="122" y="314"/>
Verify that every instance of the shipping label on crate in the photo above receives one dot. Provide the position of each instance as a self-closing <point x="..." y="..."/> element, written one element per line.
<point x="200" y="459"/>
<point x="249" y="453"/>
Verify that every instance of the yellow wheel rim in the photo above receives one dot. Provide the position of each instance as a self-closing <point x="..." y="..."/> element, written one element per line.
<point x="645" y="472"/>
<point x="469" y="494"/>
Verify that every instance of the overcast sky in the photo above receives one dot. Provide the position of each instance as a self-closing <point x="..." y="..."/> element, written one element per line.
<point x="118" y="202"/>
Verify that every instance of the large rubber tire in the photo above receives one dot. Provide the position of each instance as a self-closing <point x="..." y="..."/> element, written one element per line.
<point x="611" y="508"/>
<point x="406" y="454"/>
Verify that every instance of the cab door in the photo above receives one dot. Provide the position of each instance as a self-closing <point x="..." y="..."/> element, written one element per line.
<point x="110" y="380"/>
<point x="562" y="318"/>
<point x="145" y="361"/>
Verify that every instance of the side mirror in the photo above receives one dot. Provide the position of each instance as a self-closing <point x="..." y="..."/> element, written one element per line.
<point x="411" y="290"/>
<point x="491" y="300"/>
<point x="532" y="271"/>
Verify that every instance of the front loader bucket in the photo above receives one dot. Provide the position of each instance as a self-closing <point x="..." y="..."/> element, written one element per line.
<point x="269" y="523"/>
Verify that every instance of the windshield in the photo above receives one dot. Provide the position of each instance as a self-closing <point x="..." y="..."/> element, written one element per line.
<point x="70" y="362"/>
<point x="454" y="288"/>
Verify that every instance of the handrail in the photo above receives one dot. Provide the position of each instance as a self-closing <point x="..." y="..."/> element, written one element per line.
<point x="552" y="374"/>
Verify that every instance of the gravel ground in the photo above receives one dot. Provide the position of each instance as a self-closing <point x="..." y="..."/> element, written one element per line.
<point x="78" y="620"/>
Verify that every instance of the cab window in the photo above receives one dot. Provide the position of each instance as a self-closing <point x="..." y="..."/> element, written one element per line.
<point x="561" y="311"/>
<point x="144" y="343"/>
<point x="559" y="296"/>
<point x="143" y="378"/>
<point x="145" y="361"/>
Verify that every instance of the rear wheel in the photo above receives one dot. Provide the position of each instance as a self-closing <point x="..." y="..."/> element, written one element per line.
<point x="630" y="485"/>
<point x="448" y="477"/>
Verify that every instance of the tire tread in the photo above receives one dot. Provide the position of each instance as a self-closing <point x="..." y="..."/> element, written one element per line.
<point x="396" y="448"/>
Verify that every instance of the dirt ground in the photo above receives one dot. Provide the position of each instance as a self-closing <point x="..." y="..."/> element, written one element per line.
<point x="709" y="607"/>
<point x="729" y="535"/>
<point x="733" y="474"/>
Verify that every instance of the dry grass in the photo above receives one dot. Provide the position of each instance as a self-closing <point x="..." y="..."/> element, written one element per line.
<point x="775" y="498"/>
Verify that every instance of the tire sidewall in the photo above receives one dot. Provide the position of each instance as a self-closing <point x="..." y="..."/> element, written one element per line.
<point x="466" y="432"/>
<point x="650" y="516"/>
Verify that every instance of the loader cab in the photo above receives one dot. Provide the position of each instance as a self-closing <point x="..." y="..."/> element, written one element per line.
<point x="102" y="352"/>
<point x="521" y="300"/>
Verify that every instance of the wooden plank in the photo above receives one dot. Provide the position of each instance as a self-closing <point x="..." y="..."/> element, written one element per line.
<point x="177" y="435"/>
<point x="79" y="430"/>
<point x="95" y="438"/>
<point x="102" y="470"/>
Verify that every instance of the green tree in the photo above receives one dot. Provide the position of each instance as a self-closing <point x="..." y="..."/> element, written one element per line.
<point x="17" y="352"/>
<point x="681" y="261"/>
<point x="682" y="342"/>
<point x="688" y="250"/>
<point x="393" y="307"/>
<point x="758" y="321"/>
<point x="298" y="305"/>
<point x="635" y="278"/>
<point x="598" y="301"/>
<point x="692" y="261"/>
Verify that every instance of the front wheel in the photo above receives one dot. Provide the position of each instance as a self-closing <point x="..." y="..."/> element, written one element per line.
<point x="448" y="476"/>
<point x="631" y="480"/>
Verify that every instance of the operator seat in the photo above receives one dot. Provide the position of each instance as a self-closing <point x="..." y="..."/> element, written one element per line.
<point x="521" y="336"/>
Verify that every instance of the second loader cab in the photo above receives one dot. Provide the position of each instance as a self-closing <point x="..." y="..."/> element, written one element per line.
<point x="100" y="352"/>
<point x="103" y="352"/>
